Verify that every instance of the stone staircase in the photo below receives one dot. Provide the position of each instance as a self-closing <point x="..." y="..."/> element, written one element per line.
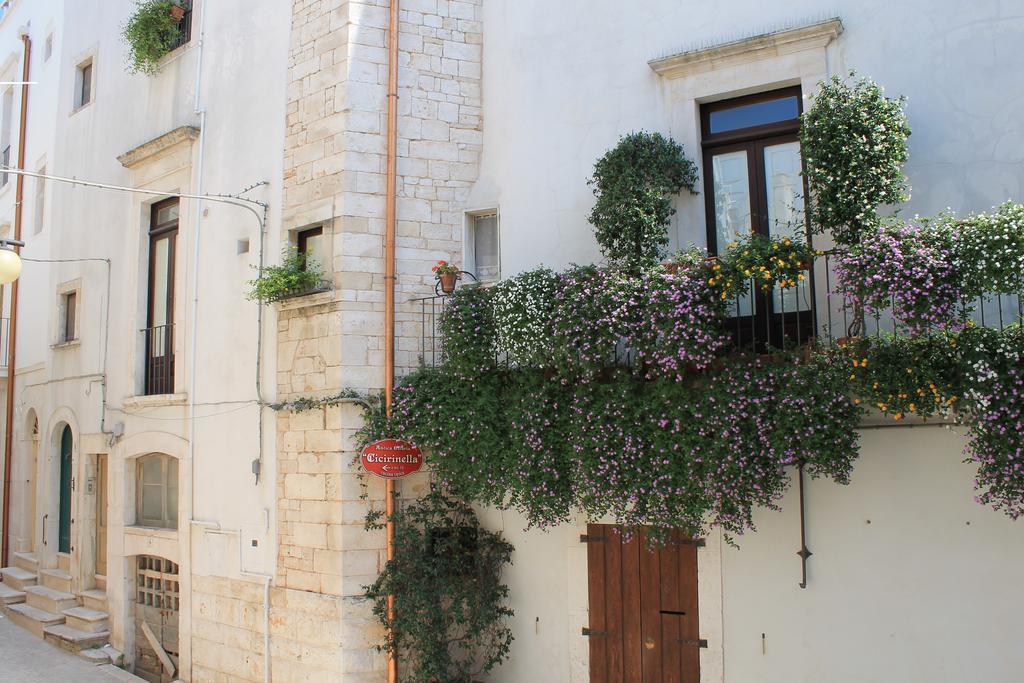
<point x="41" y="601"/>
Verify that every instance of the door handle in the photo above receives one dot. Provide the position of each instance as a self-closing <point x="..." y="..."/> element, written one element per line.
<point x="44" y="528"/>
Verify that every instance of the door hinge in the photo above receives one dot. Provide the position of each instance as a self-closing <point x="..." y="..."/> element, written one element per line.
<point x="693" y="643"/>
<point x="72" y="483"/>
<point x="587" y="632"/>
<point x="586" y="538"/>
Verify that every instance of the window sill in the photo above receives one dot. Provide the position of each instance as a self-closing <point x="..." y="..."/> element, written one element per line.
<point x="174" y="55"/>
<point x="313" y="298"/>
<point x="81" y="108"/>
<point x="134" y="403"/>
<point x="152" y="532"/>
<point x="73" y="343"/>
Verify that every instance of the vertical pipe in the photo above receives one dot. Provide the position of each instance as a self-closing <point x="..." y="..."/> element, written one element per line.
<point x="19" y="194"/>
<point x="389" y="287"/>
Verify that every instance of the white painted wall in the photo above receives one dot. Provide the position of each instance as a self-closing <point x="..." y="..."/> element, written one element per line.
<point x="243" y="81"/>
<point x="934" y="576"/>
<point x="563" y="80"/>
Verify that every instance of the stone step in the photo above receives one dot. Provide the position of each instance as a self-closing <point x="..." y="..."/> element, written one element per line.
<point x="26" y="561"/>
<point x="116" y="658"/>
<point x="72" y="639"/>
<point x="86" y="620"/>
<point x="94" y="655"/>
<point x="32" y="619"/>
<point x="57" y="579"/>
<point x="17" y="578"/>
<point x="101" y="582"/>
<point x="9" y="596"/>
<point x="48" y="599"/>
<point x="94" y="599"/>
<point x="64" y="561"/>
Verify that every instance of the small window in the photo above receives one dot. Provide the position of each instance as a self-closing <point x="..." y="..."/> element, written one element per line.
<point x="157" y="491"/>
<point x="68" y="316"/>
<point x="83" y="84"/>
<point x="48" y="48"/>
<point x="5" y="133"/>
<point x="482" y="247"/>
<point x="310" y="244"/>
<point x="40" y="200"/>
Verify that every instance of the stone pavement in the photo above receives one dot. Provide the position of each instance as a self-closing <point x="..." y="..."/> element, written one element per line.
<point x="27" y="659"/>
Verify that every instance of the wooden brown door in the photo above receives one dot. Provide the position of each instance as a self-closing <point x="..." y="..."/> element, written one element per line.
<point x="101" y="515"/>
<point x="643" y="608"/>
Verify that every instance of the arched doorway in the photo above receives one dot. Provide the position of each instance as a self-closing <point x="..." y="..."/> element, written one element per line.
<point x="64" y="514"/>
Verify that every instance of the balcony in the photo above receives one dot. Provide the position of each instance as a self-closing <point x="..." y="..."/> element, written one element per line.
<point x="767" y="321"/>
<point x="158" y="346"/>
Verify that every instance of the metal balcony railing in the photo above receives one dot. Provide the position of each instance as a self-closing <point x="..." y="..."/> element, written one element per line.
<point x="763" y="321"/>
<point x="158" y="345"/>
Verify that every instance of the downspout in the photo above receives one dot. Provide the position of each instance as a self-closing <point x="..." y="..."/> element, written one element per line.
<point x="389" y="290"/>
<point x="19" y="194"/>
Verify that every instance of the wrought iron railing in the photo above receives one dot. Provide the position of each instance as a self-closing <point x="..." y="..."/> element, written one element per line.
<point x="184" y="28"/>
<point x="158" y="345"/>
<point x="763" y="321"/>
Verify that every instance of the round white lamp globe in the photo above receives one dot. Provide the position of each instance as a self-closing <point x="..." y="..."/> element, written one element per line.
<point x="10" y="266"/>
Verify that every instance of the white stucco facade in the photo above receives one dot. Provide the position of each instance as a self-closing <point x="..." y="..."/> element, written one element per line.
<point x="503" y="107"/>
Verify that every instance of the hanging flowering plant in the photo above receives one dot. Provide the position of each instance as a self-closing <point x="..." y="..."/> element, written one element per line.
<point x="467" y="330"/>
<point x="523" y="309"/>
<point x="768" y="261"/>
<point x="990" y="251"/>
<point x="908" y="268"/>
<point x="679" y="328"/>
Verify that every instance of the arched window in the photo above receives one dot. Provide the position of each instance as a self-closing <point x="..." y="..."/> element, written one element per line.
<point x="156" y="491"/>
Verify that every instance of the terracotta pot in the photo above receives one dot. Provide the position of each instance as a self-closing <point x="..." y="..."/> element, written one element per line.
<point x="804" y="265"/>
<point x="177" y="12"/>
<point x="448" y="282"/>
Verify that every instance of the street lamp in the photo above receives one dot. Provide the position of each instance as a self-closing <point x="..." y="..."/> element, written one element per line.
<point x="10" y="262"/>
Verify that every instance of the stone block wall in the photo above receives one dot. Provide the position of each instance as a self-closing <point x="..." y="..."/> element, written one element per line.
<point x="335" y="159"/>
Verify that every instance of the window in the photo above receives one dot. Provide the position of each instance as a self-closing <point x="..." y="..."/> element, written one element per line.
<point x="311" y="246"/>
<point x="156" y="501"/>
<point x="68" y="316"/>
<point x="48" y="48"/>
<point x="159" y="332"/>
<point x="482" y="252"/>
<point x="83" y="84"/>
<point x="5" y="134"/>
<point x="40" y="200"/>
<point x="753" y="184"/>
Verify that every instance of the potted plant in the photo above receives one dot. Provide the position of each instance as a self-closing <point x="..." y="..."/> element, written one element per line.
<point x="151" y="32"/>
<point x="447" y="275"/>
<point x="296" y="276"/>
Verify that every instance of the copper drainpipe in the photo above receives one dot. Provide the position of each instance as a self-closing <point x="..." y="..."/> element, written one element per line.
<point x="19" y="193"/>
<point x="389" y="288"/>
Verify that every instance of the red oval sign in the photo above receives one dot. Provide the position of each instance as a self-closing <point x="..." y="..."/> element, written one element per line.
<point x="391" y="458"/>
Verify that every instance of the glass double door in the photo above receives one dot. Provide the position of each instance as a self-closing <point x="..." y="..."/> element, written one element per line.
<point x="756" y="187"/>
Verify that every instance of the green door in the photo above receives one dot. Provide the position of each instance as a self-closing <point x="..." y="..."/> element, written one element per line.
<point x="64" y="530"/>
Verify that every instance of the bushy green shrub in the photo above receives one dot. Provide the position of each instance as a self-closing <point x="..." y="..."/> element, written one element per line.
<point x="150" y="33"/>
<point x="634" y="184"/>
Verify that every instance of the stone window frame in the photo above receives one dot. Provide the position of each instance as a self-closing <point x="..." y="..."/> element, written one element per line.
<point x="169" y="518"/>
<point x="85" y="58"/>
<point x="469" y="243"/>
<point x="327" y="238"/>
<point x="64" y="290"/>
<point x="801" y="56"/>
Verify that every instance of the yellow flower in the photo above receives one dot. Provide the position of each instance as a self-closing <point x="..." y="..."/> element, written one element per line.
<point x="898" y="416"/>
<point x="853" y="377"/>
<point x="864" y="364"/>
<point x="913" y="408"/>
<point x="856" y="401"/>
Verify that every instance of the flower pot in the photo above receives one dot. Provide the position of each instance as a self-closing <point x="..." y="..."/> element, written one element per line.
<point x="448" y="282"/>
<point x="177" y="12"/>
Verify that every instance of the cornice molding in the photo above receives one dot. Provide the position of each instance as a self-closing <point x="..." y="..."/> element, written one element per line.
<point x="158" y="145"/>
<point x="747" y="50"/>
